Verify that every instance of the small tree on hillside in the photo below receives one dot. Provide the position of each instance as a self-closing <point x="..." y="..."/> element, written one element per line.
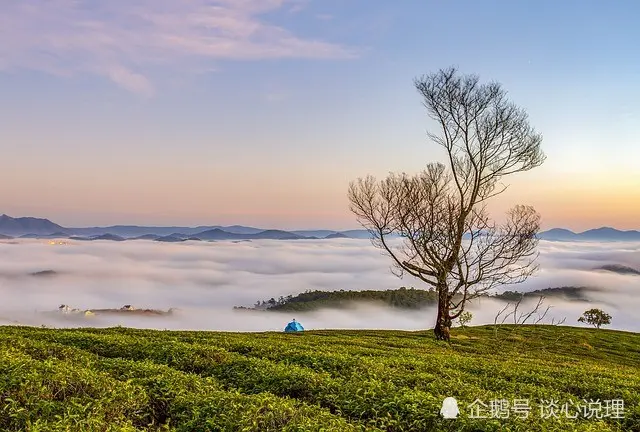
<point x="465" y="318"/>
<point x="449" y="241"/>
<point x="595" y="317"/>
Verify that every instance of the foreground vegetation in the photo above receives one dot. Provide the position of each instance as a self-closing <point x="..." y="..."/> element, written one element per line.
<point x="127" y="379"/>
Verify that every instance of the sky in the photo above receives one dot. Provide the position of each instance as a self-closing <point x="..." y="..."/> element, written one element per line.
<point x="260" y="112"/>
<point x="205" y="280"/>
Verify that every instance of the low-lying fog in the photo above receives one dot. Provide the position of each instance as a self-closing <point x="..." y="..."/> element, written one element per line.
<point x="205" y="280"/>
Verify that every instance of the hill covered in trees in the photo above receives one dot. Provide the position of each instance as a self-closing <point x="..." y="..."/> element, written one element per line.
<point x="404" y="298"/>
<point x="401" y="298"/>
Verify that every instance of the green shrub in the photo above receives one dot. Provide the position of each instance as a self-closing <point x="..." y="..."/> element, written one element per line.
<point x="128" y="379"/>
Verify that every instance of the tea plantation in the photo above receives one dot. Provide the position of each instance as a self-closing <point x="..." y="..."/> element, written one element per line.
<point x="532" y="378"/>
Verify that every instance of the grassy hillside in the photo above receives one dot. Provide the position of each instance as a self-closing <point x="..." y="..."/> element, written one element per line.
<point x="125" y="379"/>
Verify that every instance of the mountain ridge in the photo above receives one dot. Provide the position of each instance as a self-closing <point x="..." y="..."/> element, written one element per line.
<point x="27" y="225"/>
<point x="32" y="227"/>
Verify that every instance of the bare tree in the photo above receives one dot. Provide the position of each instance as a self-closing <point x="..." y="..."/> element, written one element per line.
<point x="536" y="315"/>
<point x="447" y="239"/>
<point x="520" y="318"/>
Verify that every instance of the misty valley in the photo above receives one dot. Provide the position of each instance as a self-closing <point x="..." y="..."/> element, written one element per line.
<point x="88" y="320"/>
<point x="325" y="284"/>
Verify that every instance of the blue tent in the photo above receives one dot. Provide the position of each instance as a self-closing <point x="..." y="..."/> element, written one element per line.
<point x="293" y="326"/>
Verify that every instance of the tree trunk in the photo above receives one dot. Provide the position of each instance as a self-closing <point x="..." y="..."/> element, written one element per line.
<point x="443" y="323"/>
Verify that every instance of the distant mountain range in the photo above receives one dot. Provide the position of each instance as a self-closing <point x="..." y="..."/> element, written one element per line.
<point x="30" y="227"/>
<point x="597" y="234"/>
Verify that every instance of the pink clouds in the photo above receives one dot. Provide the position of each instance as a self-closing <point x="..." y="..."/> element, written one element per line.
<point x="120" y="40"/>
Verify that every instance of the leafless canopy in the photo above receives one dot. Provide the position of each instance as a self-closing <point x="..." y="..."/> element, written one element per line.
<point x="447" y="238"/>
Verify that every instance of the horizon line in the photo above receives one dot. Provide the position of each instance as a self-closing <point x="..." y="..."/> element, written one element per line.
<point x="279" y="229"/>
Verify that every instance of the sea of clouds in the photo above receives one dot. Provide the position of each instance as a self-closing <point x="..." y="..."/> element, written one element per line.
<point x="205" y="280"/>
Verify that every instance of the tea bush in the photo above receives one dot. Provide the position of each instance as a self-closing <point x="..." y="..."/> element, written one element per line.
<point x="133" y="380"/>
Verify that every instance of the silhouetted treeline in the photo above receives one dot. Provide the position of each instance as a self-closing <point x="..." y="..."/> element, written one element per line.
<point x="402" y="298"/>
<point x="570" y="293"/>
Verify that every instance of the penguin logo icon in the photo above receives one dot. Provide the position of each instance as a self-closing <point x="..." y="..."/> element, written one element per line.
<point x="449" y="408"/>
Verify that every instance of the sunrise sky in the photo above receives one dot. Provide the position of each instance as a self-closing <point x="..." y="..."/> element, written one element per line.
<point x="260" y="112"/>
